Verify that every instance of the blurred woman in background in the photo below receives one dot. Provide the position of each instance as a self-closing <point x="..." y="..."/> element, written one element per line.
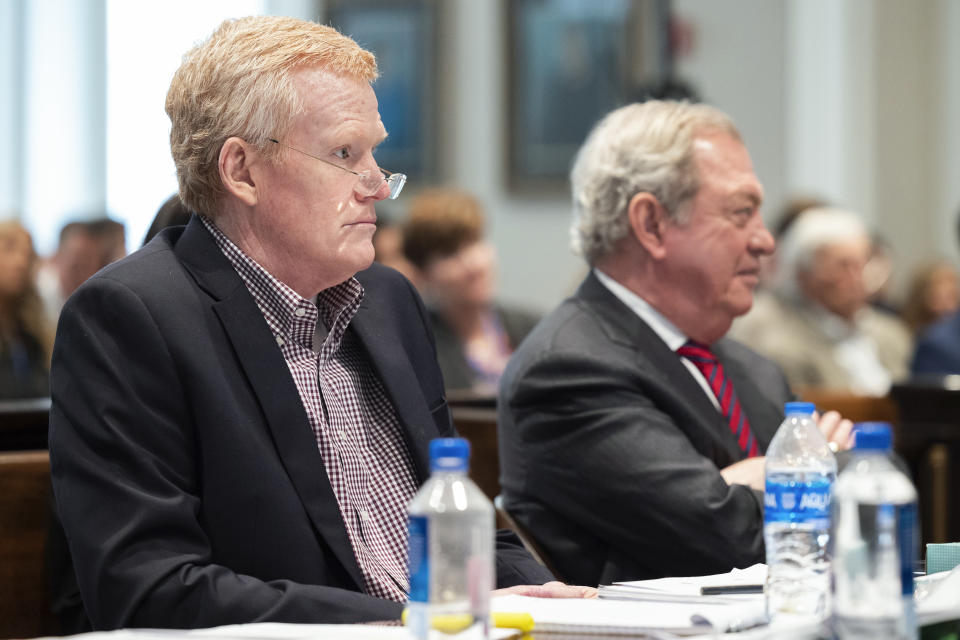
<point x="443" y="237"/>
<point x="25" y="338"/>
<point x="934" y="293"/>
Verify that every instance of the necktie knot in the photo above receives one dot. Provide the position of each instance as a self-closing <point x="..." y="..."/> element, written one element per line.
<point x="696" y="352"/>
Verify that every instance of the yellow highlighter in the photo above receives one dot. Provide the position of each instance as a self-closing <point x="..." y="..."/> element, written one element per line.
<point x="457" y="622"/>
<point x="521" y="621"/>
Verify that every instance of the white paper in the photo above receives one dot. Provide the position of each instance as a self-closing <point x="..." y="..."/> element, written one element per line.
<point x="575" y="615"/>
<point x="937" y="596"/>
<point x="690" y="586"/>
<point x="278" y="631"/>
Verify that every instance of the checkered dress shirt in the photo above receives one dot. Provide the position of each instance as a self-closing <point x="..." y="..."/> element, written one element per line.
<point x="355" y="425"/>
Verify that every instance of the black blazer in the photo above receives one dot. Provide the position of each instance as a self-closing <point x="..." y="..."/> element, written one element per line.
<point x="185" y="471"/>
<point x="611" y="452"/>
<point x="451" y="356"/>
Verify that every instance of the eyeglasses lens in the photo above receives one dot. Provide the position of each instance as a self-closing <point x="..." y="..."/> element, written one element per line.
<point x="396" y="182"/>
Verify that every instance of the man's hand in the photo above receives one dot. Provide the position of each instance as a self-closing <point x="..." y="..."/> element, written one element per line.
<point x="836" y="429"/>
<point x="548" y="590"/>
<point x="749" y="472"/>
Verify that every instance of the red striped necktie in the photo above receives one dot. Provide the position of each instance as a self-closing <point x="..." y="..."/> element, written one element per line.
<point x="704" y="360"/>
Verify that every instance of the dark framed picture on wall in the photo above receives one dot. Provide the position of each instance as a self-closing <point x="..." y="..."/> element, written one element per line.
<point x="568" y="64"/>
<point x="403" y="36"/>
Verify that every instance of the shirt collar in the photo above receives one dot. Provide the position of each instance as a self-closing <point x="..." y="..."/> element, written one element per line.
<point x="289" y="315"/>
<point x="667" y="331"/>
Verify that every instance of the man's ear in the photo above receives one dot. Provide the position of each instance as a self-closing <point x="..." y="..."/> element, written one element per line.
<point x="236" y="157"/>
<point x="648" y="223"/>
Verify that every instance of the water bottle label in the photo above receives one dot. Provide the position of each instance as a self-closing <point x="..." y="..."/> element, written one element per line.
<point x="906" y="536"/>
<point x="795" y="501"/>
<point x="419" y="559"/>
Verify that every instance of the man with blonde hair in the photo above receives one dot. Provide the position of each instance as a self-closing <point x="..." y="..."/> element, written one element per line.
<point x="242" y="408"/>
<point x="631" y="432"/>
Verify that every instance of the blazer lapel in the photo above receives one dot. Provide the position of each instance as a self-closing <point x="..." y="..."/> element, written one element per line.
<point x="272" y="385"/>
<point x="628" y="329"/>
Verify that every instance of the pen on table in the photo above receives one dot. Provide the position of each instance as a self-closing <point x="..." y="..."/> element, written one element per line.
<point x="725" y="589"/>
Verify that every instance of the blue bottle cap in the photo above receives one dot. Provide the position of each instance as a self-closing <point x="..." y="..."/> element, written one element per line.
<point x="449" y="454"/>
<point x="803" y="408"/>
<point x="872" y="436"/>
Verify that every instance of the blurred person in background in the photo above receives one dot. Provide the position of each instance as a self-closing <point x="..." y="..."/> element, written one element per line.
<point x="78" y="257"/>
<point x="821" y="329"/>
<point x="878" y="275"/>
<point x="388" y="248"/>
<point x="765" y="307"/>
<point x="443" y="238"/>
<point x="933" y="293"/>
<point x="25" y="337"/>
<point x="789" y="214"/>
<point x="938" y="347"/>
<point x="85" y="247"/>
<point x="112" y="236"/>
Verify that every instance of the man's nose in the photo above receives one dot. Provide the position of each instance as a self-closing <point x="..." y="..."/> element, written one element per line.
<point x="372" y="171"/>
<point x="383" y="192"/>
<point x="762" y="241"/>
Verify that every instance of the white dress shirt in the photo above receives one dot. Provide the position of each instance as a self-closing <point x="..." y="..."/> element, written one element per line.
<point x="666" y="330"/>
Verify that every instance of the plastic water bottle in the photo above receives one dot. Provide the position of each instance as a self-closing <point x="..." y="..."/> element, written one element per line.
<point x="451" y="558"/>
<point x="874" y="542"/>
<point x="800" y="469"/>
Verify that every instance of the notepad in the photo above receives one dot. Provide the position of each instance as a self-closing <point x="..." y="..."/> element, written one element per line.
<point x="688" y="589"/>
<point x="937" y="597"/>
<point x="633" y="617"/>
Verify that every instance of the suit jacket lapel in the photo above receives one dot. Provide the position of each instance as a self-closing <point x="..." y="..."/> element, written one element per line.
<point x="272" y="385"/>
<point x="630" y="331"/>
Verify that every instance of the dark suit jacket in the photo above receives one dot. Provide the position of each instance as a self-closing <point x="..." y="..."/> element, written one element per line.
<point x="23" y="368"/>
<point x="938" y="348"/>
<point x="611" y="452"/>
<point x="457" y="373"/>
<point x="186" y="474"/>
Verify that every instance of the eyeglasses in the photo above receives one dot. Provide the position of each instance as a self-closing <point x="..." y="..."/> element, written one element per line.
<point x="369" y="181"/>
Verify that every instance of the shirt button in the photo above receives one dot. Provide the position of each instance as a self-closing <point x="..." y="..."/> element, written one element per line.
<point x="279" y="341"/>
<point x="364" y="516"/>
<point x="300" y="312"/>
